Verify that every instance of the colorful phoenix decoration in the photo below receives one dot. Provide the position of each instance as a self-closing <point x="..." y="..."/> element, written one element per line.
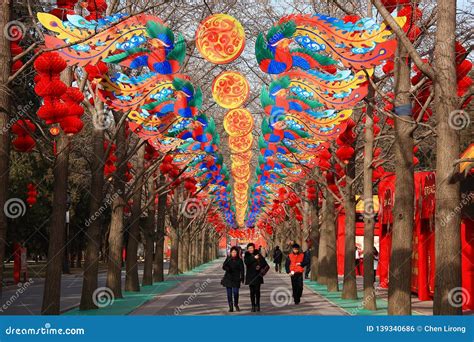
<point x="321" y="65"/>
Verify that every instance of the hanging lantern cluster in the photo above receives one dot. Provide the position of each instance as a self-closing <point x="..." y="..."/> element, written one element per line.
<point x="311" y="191"/>
<point x="190" y="185"/>
<point x="71" y="122"/>
<point x="32" y="194"/>
<point x="49" y="66"/>
<point x="168" y="168"/>
<point x="109" y="167"/>
<point x="345" y="151"/>
<point x="463" y="69"/>
<point x="128" y="172"/>
<point x="15" y="50"/>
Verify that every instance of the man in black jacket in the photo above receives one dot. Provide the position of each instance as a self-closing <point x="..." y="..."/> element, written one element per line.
<point x="257" y="267"/>
<point x="277" y="258"/>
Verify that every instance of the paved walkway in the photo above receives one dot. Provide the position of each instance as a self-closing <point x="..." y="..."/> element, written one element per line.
<point x="202" y="294"/>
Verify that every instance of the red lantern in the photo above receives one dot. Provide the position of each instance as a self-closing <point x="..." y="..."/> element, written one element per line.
<point x="50" y="63"/>
<point x="388" y="67"/>
<point x="344" y="153"/>
<point x="24" y="143"/>
<point x="71" y="125"/>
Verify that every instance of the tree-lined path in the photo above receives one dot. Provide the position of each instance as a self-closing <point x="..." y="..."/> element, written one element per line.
<point x="204" y="295"/>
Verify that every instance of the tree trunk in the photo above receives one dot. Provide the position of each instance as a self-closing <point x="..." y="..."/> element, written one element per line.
<point x="399" y="292"/>
<point x="369" y="213"/>
<point x="158" y="272"/>
<point x="5" y="107"/>
<point x="203" y="246"/>
<point x="174" y="252"/>
<point x="93" y="236"/>
<point x="349" y="290"/>
<point x="314" y="236"/>
<point x="52" y="284"/>
<point x="447" y="233"/>
<point x="322" y="267"/>
<point x="149" y="234"/>
<point x="131" y="278"/>
<point x="331" y="251"/>
<point x="114" y="267"/>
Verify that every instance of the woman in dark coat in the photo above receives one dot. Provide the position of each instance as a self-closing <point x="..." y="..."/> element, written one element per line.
<point x="234" y="275"/>
<point x="257" y="267"/>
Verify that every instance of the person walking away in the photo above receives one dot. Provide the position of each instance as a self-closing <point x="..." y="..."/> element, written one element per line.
<point x="357" y="259"/>
<point x="277" y="258"/>
<point x="294" y="266"/>
<point x="257" y="267"/>
<point x="307" y="255"/>
<point x="234" y="275"/>
<point x="376" y="262"/>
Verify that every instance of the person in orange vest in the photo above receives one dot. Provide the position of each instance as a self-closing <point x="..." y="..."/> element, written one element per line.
<point x="294" y="265"/>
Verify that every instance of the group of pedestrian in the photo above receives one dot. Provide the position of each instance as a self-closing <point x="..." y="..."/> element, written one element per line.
<point x="255" y="269"/>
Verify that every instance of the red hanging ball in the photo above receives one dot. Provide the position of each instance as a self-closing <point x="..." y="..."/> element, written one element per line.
<point x="24" y="143"/>
<point x="345" y="152"/>
<point x="50" y="63"/>
<point x="71" y="125"/>
<point x="388" y="67"/>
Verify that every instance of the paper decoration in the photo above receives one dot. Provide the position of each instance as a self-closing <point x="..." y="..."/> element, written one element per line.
<point x="230" y="89"/>
<point x="220" y="38"/>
